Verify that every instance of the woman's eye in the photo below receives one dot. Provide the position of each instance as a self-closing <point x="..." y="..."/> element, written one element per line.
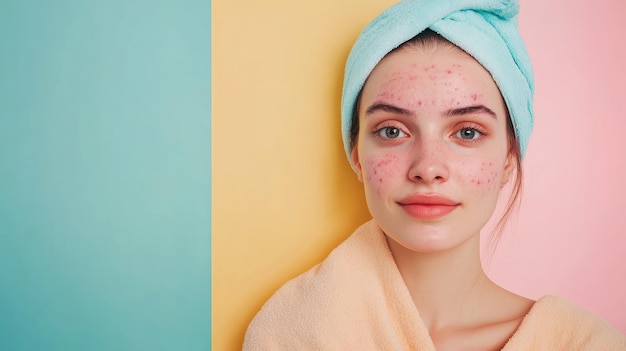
<point x="390" y="133"/>
<point x="468" y="134"/>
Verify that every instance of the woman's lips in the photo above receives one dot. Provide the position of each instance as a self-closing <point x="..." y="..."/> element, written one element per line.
<point x="426" y="206"/>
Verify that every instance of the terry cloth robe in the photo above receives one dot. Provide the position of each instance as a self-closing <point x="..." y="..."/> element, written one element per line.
<point x="356" y="300"/>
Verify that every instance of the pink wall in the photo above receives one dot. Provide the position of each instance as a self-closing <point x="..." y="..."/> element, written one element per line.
<point x="570" y="236"/>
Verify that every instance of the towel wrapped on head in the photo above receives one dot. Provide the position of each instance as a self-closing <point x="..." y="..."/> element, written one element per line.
<point x="485" y="29"/>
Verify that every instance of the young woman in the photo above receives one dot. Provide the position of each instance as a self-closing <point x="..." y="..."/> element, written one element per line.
<point x="436" y="116"/>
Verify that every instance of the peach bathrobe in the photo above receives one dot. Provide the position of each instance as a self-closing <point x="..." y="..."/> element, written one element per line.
<point x="356" y="300"/>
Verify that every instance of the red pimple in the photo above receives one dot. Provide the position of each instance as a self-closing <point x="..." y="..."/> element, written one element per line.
<point x="383" y="162"/>
<point x="419" y="103"/>
<point x="449" y="71"/>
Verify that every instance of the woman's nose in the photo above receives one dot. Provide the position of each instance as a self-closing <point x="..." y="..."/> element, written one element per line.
<point x="429" y="162"/>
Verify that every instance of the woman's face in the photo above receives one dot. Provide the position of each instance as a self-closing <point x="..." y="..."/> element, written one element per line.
<point x="432" y="149"/>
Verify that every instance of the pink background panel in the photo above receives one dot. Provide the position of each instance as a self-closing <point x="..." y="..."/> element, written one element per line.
<point x="569" y="237"/>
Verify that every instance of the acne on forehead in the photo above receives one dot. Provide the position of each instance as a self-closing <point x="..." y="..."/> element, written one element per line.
<point x="423" y="71"/>
<point x="441" y="79"/>
<point x="450" y="77"/>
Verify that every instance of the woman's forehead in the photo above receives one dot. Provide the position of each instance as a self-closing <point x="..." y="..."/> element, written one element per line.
<point x="429" y="71"/>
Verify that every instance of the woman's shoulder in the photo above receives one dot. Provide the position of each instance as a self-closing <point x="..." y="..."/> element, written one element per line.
<point x="323" y="297"/>
<point x="333" y="272"/>
<point x="557" y="324"/>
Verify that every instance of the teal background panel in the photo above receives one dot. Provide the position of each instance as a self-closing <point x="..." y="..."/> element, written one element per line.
<point x="105" y="212"/>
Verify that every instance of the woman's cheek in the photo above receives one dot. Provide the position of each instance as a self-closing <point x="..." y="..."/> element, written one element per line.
<point x="380" y="170"/>
<point x="484" y="175"/>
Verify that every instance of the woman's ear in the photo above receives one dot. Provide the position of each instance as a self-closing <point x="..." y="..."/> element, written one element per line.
<point x="356" y="164"/>
<point x="509" y="165"/>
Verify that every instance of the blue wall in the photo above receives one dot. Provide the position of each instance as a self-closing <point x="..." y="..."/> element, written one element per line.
<point x="105" y="175"/>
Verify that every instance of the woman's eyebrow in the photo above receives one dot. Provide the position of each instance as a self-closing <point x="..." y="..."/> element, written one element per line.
<point x="388" y="108"/>
<point x="470" y="110"/>
<point x="449" y="113"/>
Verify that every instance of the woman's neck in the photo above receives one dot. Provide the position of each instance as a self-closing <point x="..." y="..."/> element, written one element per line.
<point x="447" y="287"/>
<point x="459" y="305"/>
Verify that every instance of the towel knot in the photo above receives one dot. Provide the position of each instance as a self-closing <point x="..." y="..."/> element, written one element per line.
<point x="505" y="9"/>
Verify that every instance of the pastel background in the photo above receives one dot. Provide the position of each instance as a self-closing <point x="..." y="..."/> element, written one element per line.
<point x="105" y="173"/>
<point x="284" y="194"/>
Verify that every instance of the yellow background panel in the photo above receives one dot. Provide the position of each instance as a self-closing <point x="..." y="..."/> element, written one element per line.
<point x="283" y="192"/>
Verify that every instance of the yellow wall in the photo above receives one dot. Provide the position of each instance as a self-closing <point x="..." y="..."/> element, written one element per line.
<point x="283" y="192"/>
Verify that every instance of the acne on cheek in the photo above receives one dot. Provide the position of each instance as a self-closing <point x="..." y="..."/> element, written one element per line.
<point x="484" y="175"/>
<point x="380" y="169"/>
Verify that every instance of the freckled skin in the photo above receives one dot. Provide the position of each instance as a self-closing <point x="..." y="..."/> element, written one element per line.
<point x="429" y="157"/>
<point x="381" y="169"/>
